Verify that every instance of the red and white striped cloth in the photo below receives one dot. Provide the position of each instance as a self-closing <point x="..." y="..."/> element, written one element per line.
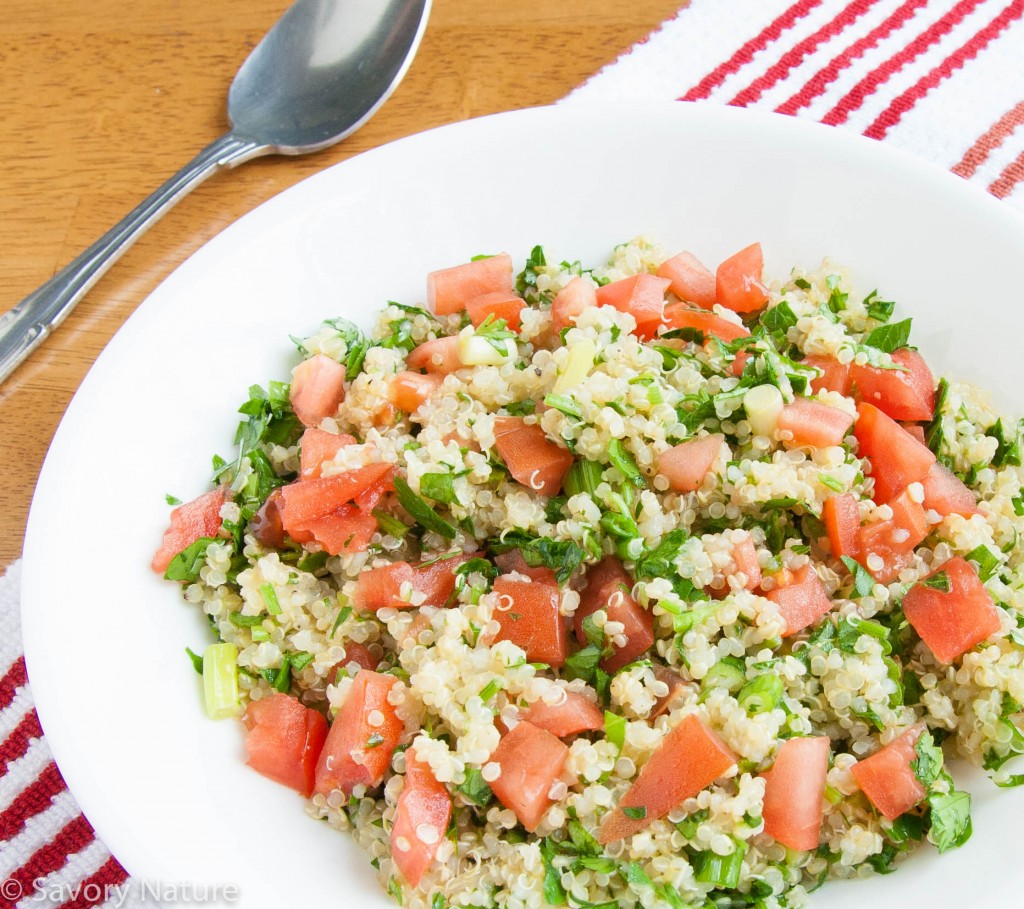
<point x="939" y="78"/>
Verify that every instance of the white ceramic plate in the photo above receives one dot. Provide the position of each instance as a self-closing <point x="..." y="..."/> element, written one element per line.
<point x="120" y="703"/>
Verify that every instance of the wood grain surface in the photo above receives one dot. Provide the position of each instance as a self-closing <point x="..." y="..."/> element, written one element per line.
<point x="102" y="101"/>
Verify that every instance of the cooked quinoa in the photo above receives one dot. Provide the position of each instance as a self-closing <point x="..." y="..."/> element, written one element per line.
<point x="724" y="650"/>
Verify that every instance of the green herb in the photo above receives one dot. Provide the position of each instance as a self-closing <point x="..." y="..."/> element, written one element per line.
<point x="891" y="337"/>
<point x="271" y="420"/>
<point x="197" y="660"/>
<point x="423" y="514"/>
<point x="395" y="890"/>
<point x="374" y="740"/>
<point x="879" y="310"/>
<point x="495" y="332"/>
<point x="938" y="581"/>
<point x="802" y="283"/>
<point x="245" y="621"/>
<point x="778" y="319"/>
<point x="852" y="629"/>
<point x="950" y="819"/>
<point x="581" y="665"/>
<point x="521" y="408"/>
<point x="831" y="482"/>
<point x="438" y="486"/>
<point x="171" y="500"/>
<point x="583" y="476"/>
<point x="475" y="788"/>
<point x="343" y="614"/>
<point x="625" y="462"/>
<point x="837" y="298"/>
<point x="1007" y="445"/>
<point x="637" y="813"/>
<point x="927" y="765"/>
<point x="438" y="902"/>
<point x="527" y="278"/>
<point x="491" y="689"/>
<point x="561" y="556"/>
<point x="933" y="431"/>
<point x="986" y="560"/>
<point x="761" y="694"/>
<point x="564" y="405"/>
<point x="615" y="729"/>
<point x="863" y="583"/>
<point x="660" y="563"/>
<point x="582" y="839"/>
<point x="186" y="565"/>
<point x="554" y="893"/>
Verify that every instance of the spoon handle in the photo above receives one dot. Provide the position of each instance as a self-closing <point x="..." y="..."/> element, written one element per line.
<point x="27" y="325"/>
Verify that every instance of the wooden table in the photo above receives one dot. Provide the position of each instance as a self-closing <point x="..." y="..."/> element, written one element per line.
<point x="103" y="100"/>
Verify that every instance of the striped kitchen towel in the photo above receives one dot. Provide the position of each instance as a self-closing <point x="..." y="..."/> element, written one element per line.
<point x="941" y="79"/>
<point x="938" y="78"/>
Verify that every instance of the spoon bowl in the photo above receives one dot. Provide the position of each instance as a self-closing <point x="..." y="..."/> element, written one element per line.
<point x="318" y="75"/>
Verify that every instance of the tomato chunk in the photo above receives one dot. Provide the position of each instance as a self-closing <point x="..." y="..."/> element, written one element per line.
<point x="813" y="424"/>
<point x="266" y="524"/>
<point x="408" y="390"/>
<point x="802" y="601"/>
<point x="439" y="356"/>
<point x="678" y="315"/>
<point x="907" y="393"/>
<point x="947" y="494"/>
<point x="317" y="446"/>
<point x="531" y="457"/>
<point x="689" y="279"/>
<point x="893" y="540"/>
<point x="842" y="521"/>
<point x="738" y="283"/>
<point x="190" y="522"/>
<point x="577" y="713"/>
<point x="513" y="561"/>
<point x="530" y="759"/>
<point x="527" y="612"/>
<point x="578" y="295"/>
<point x="359" y="654"/>
<point x="794" y="792"/>
<point x="430" y="584"/>
<point x="362" y="737"/>
<point x="500" y="305"/>
<point x="448" y="289"/>
<point x="690" y="758"/>
<point x="887" y="778"/>
<point x="284" y="741"/>
<point x="687" y="464"/>
<point x="897" y="458"/>
<point x="318" y="387"/>
<point x="835" y="375"/>
<point x="642" y="296"/>
<point x="608" y="588"/>
<point x="744" y="554"/>
<point x="676" y="686"/>
<point x="422" y="813"/>
<point x="951" y="622"/>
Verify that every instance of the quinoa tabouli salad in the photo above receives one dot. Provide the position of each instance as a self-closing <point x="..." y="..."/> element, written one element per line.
<point x="633" y="585"/>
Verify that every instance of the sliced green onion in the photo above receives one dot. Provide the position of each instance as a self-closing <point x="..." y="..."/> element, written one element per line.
<point x="390" y="524"/>
<point x="565" y="405"/>
<point x="621" y="457"/>
<point x="721" y="871"/>
<point x="727" y="673"/>
<point x="491" y="689"/>
<point x="761" y="694"/>
<point x="620" y="526"/>
<point x="629" y="550"/>
<point x="421" y="511"/>
<point x="259" y="635"/>
<point x="270" y="599"/>
<point x="245" y="621"/>
<point x="220" y="681"/>
<point x="583" y="476"/>
<point x="637" y="813"/>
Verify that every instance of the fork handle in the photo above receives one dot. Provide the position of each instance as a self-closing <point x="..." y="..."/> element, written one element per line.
<point x="26" y="326"/>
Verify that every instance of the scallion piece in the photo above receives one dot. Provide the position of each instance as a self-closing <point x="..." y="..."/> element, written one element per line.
<point x="421" y="511"/>
<point x="583" y="476"/>
<point x="220" y="681"/>
<point x="620" y="456"/>
<point x="727" y="673"/>
<point x="390" y="524"/>
<point x="565" y="405"/>
<point x="761" y="694"/>
<point x="270" y="599"/>
<point x="721" y="871"/>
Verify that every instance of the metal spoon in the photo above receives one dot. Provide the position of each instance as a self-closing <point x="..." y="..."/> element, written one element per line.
<point x="319" y="74"/>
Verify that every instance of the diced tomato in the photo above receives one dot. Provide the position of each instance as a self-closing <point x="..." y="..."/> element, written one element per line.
<point x="642" y="296"/>
<point x="513" y="561"/>
<point x="897" y="458"/>
<point x="915" y="430"/>
<point x="577" y="713"/>
<point x="679" y="315"/>
<point x="317" y="446"/>
<point x="687" y="464"/>
<point x="907" y="393"/>
<point x="738" y="283"/>
<point x="528" y="616"/>
<point x="802" y="601"/>
<point x="439" y="356"/>
<point x="947" y="494"/>
<point x="449" y="288"/>
<point x="284" y="740"/>
<point x="892" y="541"/>
<point x="813" y="424"/>
<point x="579" y="294"/>
<point x="842" y="521"/>
<point x="530" y="456"/>
<point x="318" y="387"/>
<point x="190" y="522"/>
<point x="794" y="792"/>
<point x="306" y="500"/>
<point x="676" y="686"/>
<point x="835" y="375"/>
<point x="689" y="279"/>
<point x="362" y="737"/>
<point x="431" y="584"/>
<point x="499" y="304"/>
<point x="690" y="758"/>
<point x="530" y="759"/>
<point x="422" y="813"/>
<point x="887" y="778"/>
<point x="744" y="554"/>
<point x="360" y="654"/>
<point x="266" y="524"/>
<point x="954" y="622"/>
<point x="408" y="390"/>
<point x="608" y="588"/>
<point x="346" y="530"/>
